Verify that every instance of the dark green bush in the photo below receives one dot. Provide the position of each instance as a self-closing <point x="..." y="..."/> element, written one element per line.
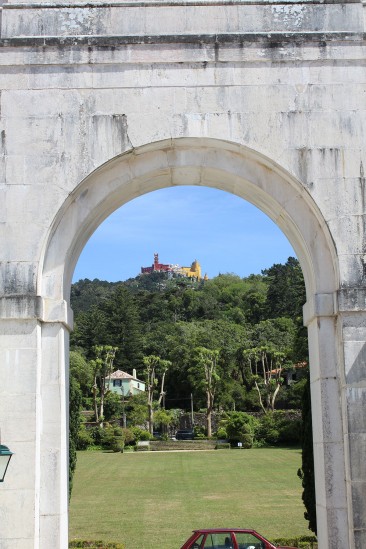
<point x="221" y="433"/>
<point x="289" y="431"/>
<point x="128" y="435"/>
<point x="199" y="436"/>
<point x="266" y="431"/>
<point x="306" y="472"/>
<point x="117" y="444"/>
<point x="113" y="407"/>
<point x="107" y="437"/>
<point x="141" y="434"/>
<point x="142" y="448"/>
<point x="199" y="432"/>
<point x="278" y="427"/>
<point x="97" y="434"/>
<point x="303" y="542"/>
<point x="74" y="425"/>
<point x="87" y="403"/>
<point x="247" y="441"/>
<point x="111" y="437"/>
<point x="222" y="446"/>
<point x="85" y="438"/>
<point x="238" y="427"/>
<point x="78" y="543"/>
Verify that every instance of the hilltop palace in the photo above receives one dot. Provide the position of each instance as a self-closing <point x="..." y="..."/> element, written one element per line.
<point x="194" y="271"/>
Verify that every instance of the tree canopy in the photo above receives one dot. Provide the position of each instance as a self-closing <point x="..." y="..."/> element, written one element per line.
<point x="156" y="315"/>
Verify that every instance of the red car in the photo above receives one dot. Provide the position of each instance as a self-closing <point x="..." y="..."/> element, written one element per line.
<point x="228" y="538"/>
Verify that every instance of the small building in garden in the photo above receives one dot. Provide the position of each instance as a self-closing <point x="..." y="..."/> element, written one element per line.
<point x="296" y="373"/>
<point x="292" y="374"/>
<point x="125" y="384"/>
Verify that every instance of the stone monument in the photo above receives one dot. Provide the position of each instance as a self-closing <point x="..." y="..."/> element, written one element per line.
<point x="104" y="101"/>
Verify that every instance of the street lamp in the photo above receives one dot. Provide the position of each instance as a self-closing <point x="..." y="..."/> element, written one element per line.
<point x="5" y="457"/>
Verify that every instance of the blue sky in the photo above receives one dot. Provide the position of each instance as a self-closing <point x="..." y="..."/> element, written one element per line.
<point x="224" y="233"/>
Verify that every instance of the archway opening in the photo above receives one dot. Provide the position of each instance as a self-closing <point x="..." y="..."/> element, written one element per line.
<point x="217" y="228"/>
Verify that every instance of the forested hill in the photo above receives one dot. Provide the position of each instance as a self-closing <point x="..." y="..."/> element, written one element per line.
<point x="278" y="291"/>
<point x="85" y="293"/>
<point x="171" y="318"/>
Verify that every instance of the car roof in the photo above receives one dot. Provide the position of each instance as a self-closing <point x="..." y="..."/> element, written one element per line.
<point x="207" y="530"/>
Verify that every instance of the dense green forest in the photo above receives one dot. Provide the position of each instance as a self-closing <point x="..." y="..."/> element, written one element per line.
<point x="254" y="324"/>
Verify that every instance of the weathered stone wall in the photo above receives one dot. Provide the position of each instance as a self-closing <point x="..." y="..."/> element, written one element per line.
<point x="263" y="99"/>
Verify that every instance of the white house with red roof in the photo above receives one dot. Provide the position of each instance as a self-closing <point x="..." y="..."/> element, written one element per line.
<point x="125" y="384"/>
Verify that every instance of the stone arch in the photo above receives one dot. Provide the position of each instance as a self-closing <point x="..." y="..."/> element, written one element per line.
<point x="189" y="161"/>
<point x="258" y="179"/>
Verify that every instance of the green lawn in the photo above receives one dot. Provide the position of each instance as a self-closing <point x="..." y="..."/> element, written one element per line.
<point x="153" y="500"/>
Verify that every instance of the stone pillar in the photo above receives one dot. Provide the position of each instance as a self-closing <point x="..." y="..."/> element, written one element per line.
<point x="328" y="413"/>
<point x="53" y="527"/>
<point x="352" y="313"/>
<point x="33" y="422"/>
<point x="20" y="430"/>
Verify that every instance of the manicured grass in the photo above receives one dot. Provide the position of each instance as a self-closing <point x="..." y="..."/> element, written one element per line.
<point x="153" y="500"/>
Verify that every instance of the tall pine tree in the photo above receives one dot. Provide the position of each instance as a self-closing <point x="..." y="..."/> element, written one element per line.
<point x="124" y="329"/>
<point x="74" y="424"/>
<point x="90" y="330"/>
<point x="286" y="289"/>
<point x="306" y="473"/>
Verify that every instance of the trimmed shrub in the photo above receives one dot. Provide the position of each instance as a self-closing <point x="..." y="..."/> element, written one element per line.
<point x="117" y="444"/>
<point x="303" y="542"/>
<point x="141" y="434"/>
<point x="97" y="434"/>
<point x="159" y="445"/>
<point x="78" y="543"/>
<point x="87" y="403"/>
<point x="200" y="436"/>
<point x="142" y="448"/>
<point x="221" y="433"/>
<point x="128" y="435"/>
<point x="108" y="435"/>
<point x="84" y="439"/>
<point x="289" y="431"/>
<point x="199" y="432"/>
<point x="223" y="446"/>
<point x="247" y="441"/>
<point x="278" y="427"/>
<point x="266" y="431"/>
<point x="238" y="429"/>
